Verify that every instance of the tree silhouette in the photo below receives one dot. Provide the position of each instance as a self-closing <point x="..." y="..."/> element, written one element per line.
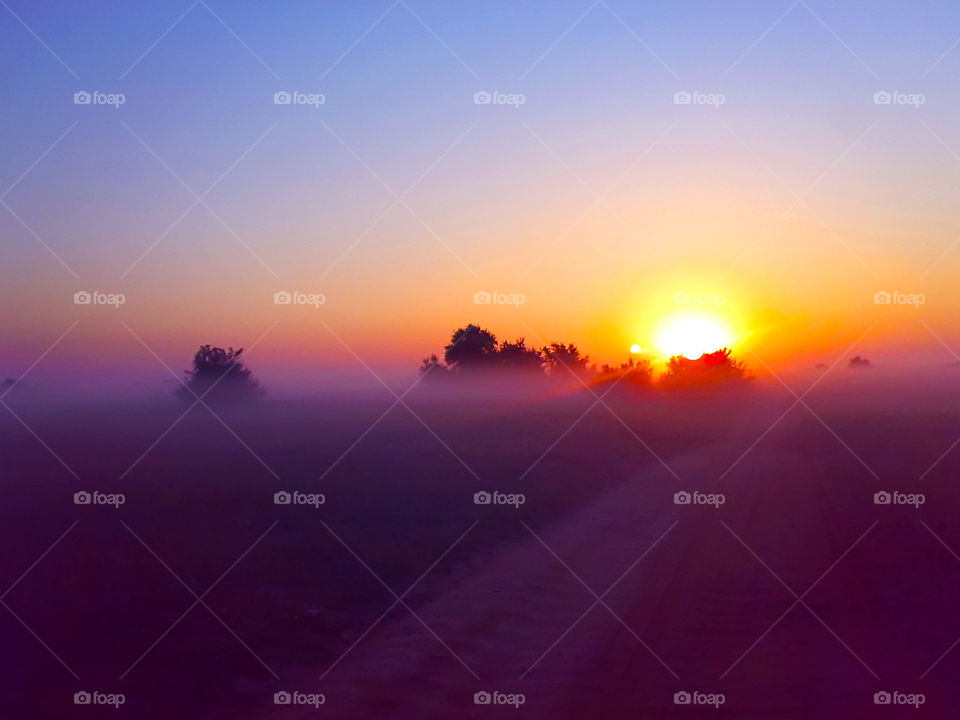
<point x="560" y="358"/>
<point x="858" y="361"/>
<point x="709" y="368"/>
<point x="221" y="375"/>
<point x="473" y="347"/>
<point x="517" y="356"/>
<point x="432" y="368"/>
<point x="631" y="372"/>
<point x="470" y="348"/>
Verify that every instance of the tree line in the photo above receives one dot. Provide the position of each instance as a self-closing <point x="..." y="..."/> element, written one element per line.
<point x="473" y="350"/>
<point x="474" y="353"/>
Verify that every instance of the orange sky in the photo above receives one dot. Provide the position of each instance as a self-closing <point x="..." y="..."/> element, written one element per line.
<point x="598" y="200"/>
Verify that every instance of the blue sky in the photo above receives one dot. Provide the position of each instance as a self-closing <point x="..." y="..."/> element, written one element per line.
<point x="298" y="188"/>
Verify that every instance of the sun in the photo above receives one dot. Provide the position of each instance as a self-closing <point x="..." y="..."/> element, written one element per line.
<point x="692" y="335"/>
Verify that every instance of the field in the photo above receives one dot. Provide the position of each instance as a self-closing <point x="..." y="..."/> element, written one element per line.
<point x="399" y="596"/>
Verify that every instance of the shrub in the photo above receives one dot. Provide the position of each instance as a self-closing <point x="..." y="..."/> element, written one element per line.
<point x="220" y="375"/>
<point x="708" y="369"/>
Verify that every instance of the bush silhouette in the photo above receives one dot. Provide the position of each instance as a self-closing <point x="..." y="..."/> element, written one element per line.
<point x="517" y="356"/>
<point x="433" y="369"/>
<point x="471" y="347"/>
<point x="708" y="369"/>
<point x="858" y="361"/>
<point x="561" y="358"/>
<point x="220" y="375"/>
<point x="631" y="372"/>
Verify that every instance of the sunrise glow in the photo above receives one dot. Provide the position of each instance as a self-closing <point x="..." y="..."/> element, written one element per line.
<point x="692" y="335"/>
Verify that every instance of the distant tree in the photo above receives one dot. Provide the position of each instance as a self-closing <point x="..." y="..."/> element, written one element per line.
<point x="560" y="359"/>
<point x="858" y="362"/>
<point x="432" y="368"/>
<point x="471" y="347"/>
<point x="220" y="374"/>
<point x="709" y="368"/>
<point x="631" y="372"/>
<point x="517" y="356"/>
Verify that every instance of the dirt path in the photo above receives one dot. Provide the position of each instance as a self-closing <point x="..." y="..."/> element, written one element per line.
<point x="709" y="608"/>
<point x="511" y="619"/>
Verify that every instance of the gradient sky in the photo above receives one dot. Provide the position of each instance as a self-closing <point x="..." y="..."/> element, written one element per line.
<point x="797" y="199"/>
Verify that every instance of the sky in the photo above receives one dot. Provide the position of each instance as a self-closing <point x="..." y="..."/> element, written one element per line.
<point x="587" y="195"/>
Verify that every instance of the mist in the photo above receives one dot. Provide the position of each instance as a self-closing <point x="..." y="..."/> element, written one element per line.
<point x="399" y="482"/>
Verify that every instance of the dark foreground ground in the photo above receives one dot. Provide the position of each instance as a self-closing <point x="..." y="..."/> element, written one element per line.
<point x="598" y="597"/>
